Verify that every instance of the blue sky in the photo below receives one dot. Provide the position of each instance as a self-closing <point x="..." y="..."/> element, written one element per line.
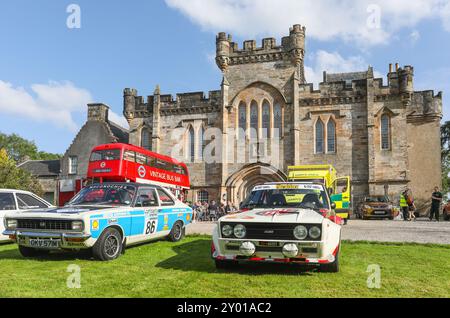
<point x="49" y="72"/>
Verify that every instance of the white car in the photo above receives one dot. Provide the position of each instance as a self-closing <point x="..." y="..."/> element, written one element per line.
<point x="281" y="223"/>
<point x="104" y="218"/>
<point x="17" y="201"/>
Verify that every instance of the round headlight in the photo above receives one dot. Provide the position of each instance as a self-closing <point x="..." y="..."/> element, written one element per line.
<point x="314" y="232"/>
<point x="239" y="231"/>
<point x="11" y="224"/>
<point x="227" y="230"/>
<point x="300" y="232"/>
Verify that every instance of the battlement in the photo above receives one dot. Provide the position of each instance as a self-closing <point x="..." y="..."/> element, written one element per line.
<point x="292" y="49"/>
<point x="135" y="106"/>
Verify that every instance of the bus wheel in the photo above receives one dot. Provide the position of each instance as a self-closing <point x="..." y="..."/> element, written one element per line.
<point x="177" y="232"/>
<point x="109" y="246"/>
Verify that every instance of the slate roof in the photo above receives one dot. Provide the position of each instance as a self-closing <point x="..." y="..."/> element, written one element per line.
<point x="42" y="168"/>
<point x="119" y="132"/>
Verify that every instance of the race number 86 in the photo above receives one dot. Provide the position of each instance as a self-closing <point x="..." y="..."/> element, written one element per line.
<point x="151" y="226"/>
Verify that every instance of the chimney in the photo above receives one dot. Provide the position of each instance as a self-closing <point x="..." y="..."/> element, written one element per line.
<point x="390" y="68"/>
<point x="98" y="112"/>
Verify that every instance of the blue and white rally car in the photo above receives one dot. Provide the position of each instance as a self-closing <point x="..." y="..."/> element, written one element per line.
<point x="102" y="217"/>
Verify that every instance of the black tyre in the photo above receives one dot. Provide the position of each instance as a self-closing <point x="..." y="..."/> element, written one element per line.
<point x="32" y="252"/>
<point x="224" y="264"/>
<point x="332" y="267"/>
<point x="109" y="246"/>
<point x="177" y="232"/>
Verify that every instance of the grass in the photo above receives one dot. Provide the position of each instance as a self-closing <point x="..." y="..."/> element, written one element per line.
<point x="184" y="269"/>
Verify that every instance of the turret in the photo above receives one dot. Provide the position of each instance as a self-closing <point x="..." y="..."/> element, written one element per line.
<point x="129" y="102"/>
<point x="297" y="44"/>
<point x="223" y="50"/>
<point x="406" y="80"/>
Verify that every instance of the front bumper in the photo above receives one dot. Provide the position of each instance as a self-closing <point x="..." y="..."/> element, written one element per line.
<point x="309" y="252"/>
<point x="378" y="214"/>
<point x="64" y="240"/>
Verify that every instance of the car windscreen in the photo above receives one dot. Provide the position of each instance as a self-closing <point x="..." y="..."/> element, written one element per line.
<point x="105" y="194"/>
<point x="377" y="200"/>
<point x="315" y="199"/>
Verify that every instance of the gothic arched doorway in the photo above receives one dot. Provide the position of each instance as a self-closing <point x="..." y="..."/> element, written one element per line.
<point x="243" y="181"/>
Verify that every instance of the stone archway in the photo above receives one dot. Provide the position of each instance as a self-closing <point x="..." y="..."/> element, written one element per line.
<point x="243" y="181"/>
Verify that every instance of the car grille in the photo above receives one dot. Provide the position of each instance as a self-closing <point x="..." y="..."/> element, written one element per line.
<point x="40" y="224"/>
<point x="272" y="231"/>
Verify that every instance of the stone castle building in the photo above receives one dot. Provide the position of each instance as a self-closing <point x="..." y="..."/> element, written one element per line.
<point x="385" y="136"/>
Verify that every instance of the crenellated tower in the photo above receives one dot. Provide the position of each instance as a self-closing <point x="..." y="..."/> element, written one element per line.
<point x="291" y="52"/>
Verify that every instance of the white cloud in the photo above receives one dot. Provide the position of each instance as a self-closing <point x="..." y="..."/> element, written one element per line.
<point x="118" y="119"/>
<point x="349" y="20"/>
<point x="53" y="102"/>
<point x="333" y="62"/>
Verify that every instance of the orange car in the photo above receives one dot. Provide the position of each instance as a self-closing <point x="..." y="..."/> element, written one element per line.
<point x="446" y="211"/>
<point x="377" y="207"/>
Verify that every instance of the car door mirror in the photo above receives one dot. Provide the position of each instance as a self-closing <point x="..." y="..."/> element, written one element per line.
<point x="333" y="205"/>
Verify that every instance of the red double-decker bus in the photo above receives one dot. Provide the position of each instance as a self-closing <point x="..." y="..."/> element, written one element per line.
<point x="128" y="163"/>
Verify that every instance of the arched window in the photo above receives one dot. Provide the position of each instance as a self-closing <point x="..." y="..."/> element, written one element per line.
<point x="319" y="136"/>
<point x="242" y="120"/>
<point x="146" y="141"/>
<point x="385" y="132"/>
<point x="254" y="120"/>
<point x="202" y="196"/>
<point x="201" y="142"/>
<point x="331" y="136"/>
<point x="277" y="120"/>
<point x="265" y="119"/>
<point x="191" y="144"/>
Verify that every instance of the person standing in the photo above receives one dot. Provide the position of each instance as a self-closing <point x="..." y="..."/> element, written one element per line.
<point x="404" y="204"/>
<point x="436" y="199"/>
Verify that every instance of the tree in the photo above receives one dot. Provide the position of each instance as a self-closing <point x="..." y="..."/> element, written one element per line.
<point x="12" y="177"/>
<point x="445" y="146"/>
<point x="20" y="149"/>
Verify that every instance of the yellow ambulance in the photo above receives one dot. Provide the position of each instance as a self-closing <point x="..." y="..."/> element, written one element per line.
<point x="338" y="187"/>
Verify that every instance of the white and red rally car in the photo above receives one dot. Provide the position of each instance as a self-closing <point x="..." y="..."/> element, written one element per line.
<point x="284" y="223"/>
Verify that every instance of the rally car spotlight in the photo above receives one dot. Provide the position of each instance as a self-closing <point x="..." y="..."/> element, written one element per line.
<point x="240" y="231"/>
<point x="11" y="224"/>
<point x="290" y="250"/>
<point x="300" y="232"/>
<point x="315" y="232"/>
<point x="247" y="249"/>
<point x="77" y="225"/>
<point x="227" y="230"/>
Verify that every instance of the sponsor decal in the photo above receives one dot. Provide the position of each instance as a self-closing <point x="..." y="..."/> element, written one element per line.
<point x="188" y="217"/>
<point x="277" y="212"/>
<point x="112" y="221"/>
<point x="95" y="225"/>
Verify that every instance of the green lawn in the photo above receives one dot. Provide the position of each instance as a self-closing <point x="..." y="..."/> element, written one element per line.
<point x="165" y="269"/>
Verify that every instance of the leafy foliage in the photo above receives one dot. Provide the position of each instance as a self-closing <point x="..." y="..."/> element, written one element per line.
<point x="12" y="177"/>
<point x="20" y="149"/>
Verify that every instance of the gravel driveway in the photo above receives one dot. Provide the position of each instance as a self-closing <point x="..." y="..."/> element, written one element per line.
<point x="420" y="231"/>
